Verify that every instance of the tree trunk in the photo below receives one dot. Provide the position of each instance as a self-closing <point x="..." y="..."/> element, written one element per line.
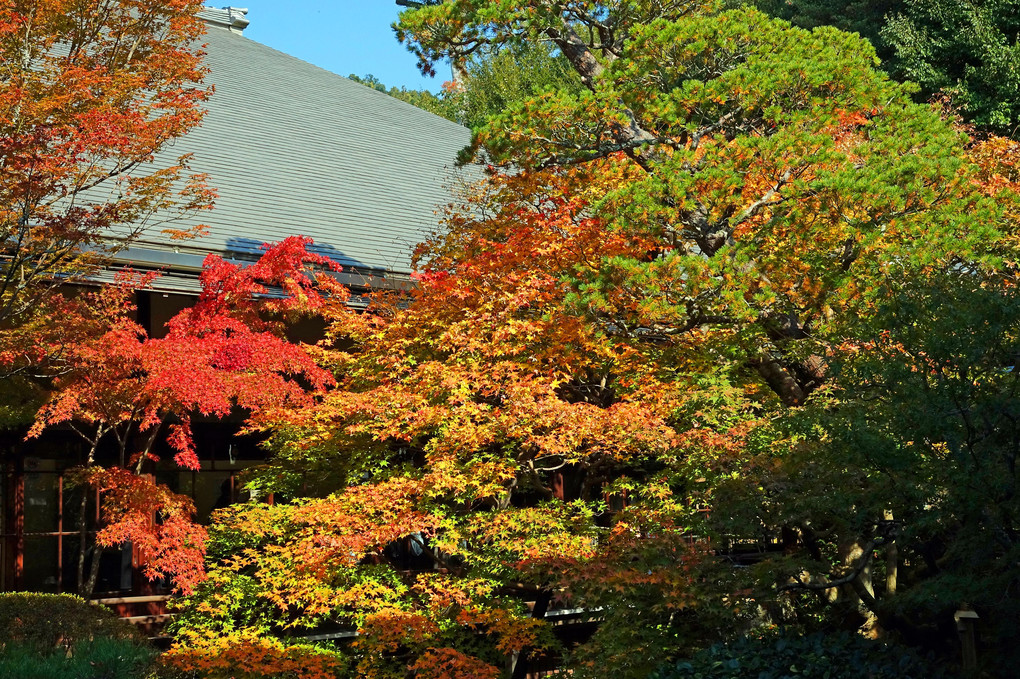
<point x="83" y="534"/>
<point x="780" y="381"/>
<point x="860" y="591"/>
<point x="85" y="586"/>
<point x="587" y="65"/>
<point x="90" y="584"/>
<point x="892" y="559"/>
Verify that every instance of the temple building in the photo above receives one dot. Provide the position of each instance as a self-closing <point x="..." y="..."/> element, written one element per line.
<point x="291" y="149"/>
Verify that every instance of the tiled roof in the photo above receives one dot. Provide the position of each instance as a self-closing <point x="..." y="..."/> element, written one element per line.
<point x="293" y="149"/>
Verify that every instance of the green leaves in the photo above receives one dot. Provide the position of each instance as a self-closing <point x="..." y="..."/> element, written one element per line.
<point x="830" y="656"/>
<point x="691" y="316"/>
<point x="966" y="50"/>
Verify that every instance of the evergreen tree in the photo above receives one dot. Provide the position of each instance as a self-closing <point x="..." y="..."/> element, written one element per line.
<point x="967" y="50"/>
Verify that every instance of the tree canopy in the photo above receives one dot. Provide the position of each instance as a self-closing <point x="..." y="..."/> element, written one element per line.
<point x="91" y="92"/>
<point x="967" y="50"/>
<point x="651" y="336"/>
<point x="488" y="83"/>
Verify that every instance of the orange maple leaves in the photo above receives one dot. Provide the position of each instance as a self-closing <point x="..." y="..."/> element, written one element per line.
<point x="157" y="522"/>
<point x="251" y="655"/>
<point x="92" y="91"/>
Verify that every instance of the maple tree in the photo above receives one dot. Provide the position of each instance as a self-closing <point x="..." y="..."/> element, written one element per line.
<point x="654" y="306"/>
<point x="223" y="353"/>
<point x="476" y="506"/>
<point x="91" y="91"/>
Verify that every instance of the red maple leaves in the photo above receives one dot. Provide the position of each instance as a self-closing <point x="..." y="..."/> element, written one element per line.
<point x="227" y="352"/>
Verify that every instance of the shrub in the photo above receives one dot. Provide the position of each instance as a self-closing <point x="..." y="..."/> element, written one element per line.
<point x="828" y="656"/>
<point x="47" y="621"/>
<point x="95" y="659"/>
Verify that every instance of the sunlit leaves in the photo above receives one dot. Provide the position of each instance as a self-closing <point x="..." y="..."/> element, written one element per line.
<point x="91" y="92"/>
<point x="612" y="340"/>
<point x="218" y="356"/>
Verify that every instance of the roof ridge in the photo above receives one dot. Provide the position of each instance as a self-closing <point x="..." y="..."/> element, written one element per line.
<point x="233" y="19"/>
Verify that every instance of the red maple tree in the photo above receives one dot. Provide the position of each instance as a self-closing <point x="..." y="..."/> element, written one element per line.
<point x="229" y="351"/>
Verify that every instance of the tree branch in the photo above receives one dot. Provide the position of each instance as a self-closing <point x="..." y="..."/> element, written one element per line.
<point x="849" y="578"/>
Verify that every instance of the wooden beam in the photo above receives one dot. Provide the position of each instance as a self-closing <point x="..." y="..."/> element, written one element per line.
<point x="112" y="601"/>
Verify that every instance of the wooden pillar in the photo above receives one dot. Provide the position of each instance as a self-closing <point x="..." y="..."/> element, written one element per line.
<point x="7" y="546"/>
<point x="60" y="533"/>
<point x="520" y="661"/>
<point x="143" y="310"/>
<point x="966" y="621"/>
<point x="17" y="518"/>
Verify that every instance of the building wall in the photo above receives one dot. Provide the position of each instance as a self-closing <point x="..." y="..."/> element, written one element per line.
<point x="41" y="518"/>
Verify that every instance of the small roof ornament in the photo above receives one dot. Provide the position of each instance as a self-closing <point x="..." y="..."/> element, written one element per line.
<point x="238" y="17"/>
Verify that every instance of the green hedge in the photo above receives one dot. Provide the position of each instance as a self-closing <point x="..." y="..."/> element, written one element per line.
<point x="60" y="636"/>
<point x="95" y="659"/>
<point x="46" y="621"/>
<point x="817" y="656"/>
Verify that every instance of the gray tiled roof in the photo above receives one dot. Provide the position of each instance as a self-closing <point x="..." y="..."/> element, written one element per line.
<point x="293" y="149"/>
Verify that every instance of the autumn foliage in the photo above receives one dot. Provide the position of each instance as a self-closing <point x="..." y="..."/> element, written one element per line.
<point x="641" y="349"/>
<point x="157" y="523"/>
<point x="252" y="656"/>
<point x="227" y="352"/>
<point x="734" y="299"/>
<point x="92" y="91"/>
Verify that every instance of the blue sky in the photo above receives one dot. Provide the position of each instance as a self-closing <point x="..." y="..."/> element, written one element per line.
<point x="343" y="36"/>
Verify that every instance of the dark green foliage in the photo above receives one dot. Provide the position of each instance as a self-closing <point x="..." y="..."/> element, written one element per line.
<point x="866" y="17"/>
<point x="922" y="422"/>
<point x="935" y="423"/>
<point x="818" y="656"/>
<point x="96" y="659"/>
<point x="966" y="49"/>
<point x="61" y="636"/>
<point x="44" y="621"/>
<point x="20" y="399"/>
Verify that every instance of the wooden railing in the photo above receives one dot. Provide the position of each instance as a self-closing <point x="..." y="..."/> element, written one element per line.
<point x="148" y="612"/>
